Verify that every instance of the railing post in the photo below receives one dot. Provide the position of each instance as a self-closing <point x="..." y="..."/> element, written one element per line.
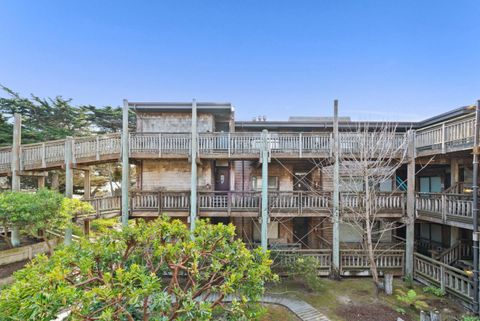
<point x="159" y="145"/>
<point x="444" y="207"/>
<point x="442" y="277"/>
<point x="97" y="147"/>
<point x="160" y="205"/>
<point x="44" y="159"/>
<point x="229" y="203"/>
<point x="300" y="145"/>
<point x="228" y="144"/>
<point x="444" y="149"/>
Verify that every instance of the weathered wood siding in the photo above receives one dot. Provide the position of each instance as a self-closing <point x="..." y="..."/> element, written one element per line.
<point x="173" y="122"/>
<point x="174" y="175"/>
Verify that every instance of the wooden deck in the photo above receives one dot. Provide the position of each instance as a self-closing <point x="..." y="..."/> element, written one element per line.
<point x="444" y="208"/>
<point x="245" y="204"/>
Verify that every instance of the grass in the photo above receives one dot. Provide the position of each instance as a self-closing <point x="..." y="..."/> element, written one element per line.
<point x="278" y="313"/>
<point x="333" y="295"/>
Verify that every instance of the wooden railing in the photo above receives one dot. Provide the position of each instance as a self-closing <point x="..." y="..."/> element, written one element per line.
<point x="299" y="200"/>
<point x="452" y="280"/>
<point x="447" y="207"/>
<point x="384" y="258"/>
<point x="287" y="202"/>
<point x="446" y="136"/>
<point x="284" y="258"/>
<point x="458" y="251"/>
<point x="382" y="200"/>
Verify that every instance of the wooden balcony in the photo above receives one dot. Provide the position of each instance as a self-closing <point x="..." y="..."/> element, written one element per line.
<point x="107" y="148"/>
<point x="244" y="204"/>
<point x="450" y="136"/>
<point x="451" y="209"/>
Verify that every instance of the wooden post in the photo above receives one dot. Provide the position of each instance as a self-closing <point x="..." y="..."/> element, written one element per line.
<point x="68" y="181"/>
<point x="454" y="174"/>
<point x="125" y="165"/>
<point x="264" y="218"/>
<point x="193" y="177"/>
<point x="435" y="316"/>
<point x="86" y="184"/>
<point x="388" y="283"/>
<point x="410" y="218"/>
<point x="40" y="182"/>
<point x="86" y="227"/>
<point x="336" y="195"/>
<point x="55" y="182"/>
<point x="424" y="316"/>
<point x="15" y="166"/>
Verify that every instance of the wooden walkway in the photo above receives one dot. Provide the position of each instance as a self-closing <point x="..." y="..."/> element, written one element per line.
<point x="301" y="309"/>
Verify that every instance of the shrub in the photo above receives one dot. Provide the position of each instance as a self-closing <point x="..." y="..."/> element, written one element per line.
<point x="150" y="271"/>
<point x="306" y="268"/>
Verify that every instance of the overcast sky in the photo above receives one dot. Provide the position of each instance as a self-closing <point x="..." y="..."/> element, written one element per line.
<point x="384" y="60"/>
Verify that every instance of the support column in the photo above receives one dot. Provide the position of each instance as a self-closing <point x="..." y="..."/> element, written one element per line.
<point x="40" y="182"/>
<point x="454" y="174"/>
<point x="336" y="194"/>
<point x="125" y="166"/>
<point x="193" y="160"/>
<point x="410" y="219"/>
<point x="68" y="181"/>
<point x="55" y="181"/>
<point x="475" y="249"/>
<point x="15" y="167"/>
<point x="86" y="184"/>
<point x="264" y="218"/>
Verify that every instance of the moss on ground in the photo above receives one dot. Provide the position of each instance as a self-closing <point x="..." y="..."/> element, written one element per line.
<point x="333" y="295"/>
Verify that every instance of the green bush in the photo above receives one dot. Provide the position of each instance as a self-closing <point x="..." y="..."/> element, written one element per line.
<point x="470" y="318"/>
<point x="306" y="268"/>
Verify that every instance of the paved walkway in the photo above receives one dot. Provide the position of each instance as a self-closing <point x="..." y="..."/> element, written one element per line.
<point x="301" y="309"/>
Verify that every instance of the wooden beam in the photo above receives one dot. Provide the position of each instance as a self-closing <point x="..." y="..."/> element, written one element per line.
<point x="33" y="173"/>
<point x="193" y="160"/>
<point x="15" y="167"/>
<point x="410" y="219"/>
<point x="125" y="165"/>
<point x="336" y="195"/>
<point x="68" y="181"/>
<point x="86" y="184"/>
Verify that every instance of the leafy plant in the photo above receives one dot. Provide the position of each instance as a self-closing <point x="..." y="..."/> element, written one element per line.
<point x="148" y="271"/>
<point x="306" y="268"/>
<point x="470" y="318"/>
<point x="402" y="311"/>
<point x="412" y="299"/>
<point x="434" y="290"/>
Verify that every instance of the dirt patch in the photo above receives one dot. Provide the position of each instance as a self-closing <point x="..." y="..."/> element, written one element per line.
<point x="370" y="312"/>
<point x="24" y="241"/>
<point x="7" y="270"/>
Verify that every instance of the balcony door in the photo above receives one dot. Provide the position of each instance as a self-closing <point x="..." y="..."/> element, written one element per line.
<point x="222" y="178"/>
<point x="300" y="230"/>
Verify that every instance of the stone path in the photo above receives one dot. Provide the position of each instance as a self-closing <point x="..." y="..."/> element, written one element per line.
<point x="301" y="309"/>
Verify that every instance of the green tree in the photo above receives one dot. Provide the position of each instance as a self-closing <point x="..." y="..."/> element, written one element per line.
<point x="34" y="212"/>
<point x="152" y="271"/>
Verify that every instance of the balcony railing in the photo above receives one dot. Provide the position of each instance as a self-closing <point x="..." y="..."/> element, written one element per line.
<point x="445" y="207"/>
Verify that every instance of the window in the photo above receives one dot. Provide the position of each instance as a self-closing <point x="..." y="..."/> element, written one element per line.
<point x="272" y="182"/>
<point x="351" y="184"/>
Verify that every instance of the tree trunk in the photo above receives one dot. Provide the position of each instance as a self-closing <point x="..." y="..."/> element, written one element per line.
<point x="368" y="228"/>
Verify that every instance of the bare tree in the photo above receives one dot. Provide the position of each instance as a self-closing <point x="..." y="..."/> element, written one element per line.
<point x="370" y="157"/>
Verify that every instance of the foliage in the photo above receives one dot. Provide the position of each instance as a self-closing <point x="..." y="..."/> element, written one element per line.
<point x="45" y="209"/>
<point x="470" y="318"/>
<point x="306" y="268"/>
<point x="150" y="271"/>
<point x="402" y="311"/>
<point x="103" y="224"/>
<point x="412" y="299"/>
<point x="434" y="290"/>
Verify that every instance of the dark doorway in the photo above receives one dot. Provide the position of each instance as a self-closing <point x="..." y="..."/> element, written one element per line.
<point x="223" y="220"/>
<point x="222" y="179"/>
<point x="300" y="230"/>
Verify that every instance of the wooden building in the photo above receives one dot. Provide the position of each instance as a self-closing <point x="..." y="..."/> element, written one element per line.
<point x="275" y="181"/>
